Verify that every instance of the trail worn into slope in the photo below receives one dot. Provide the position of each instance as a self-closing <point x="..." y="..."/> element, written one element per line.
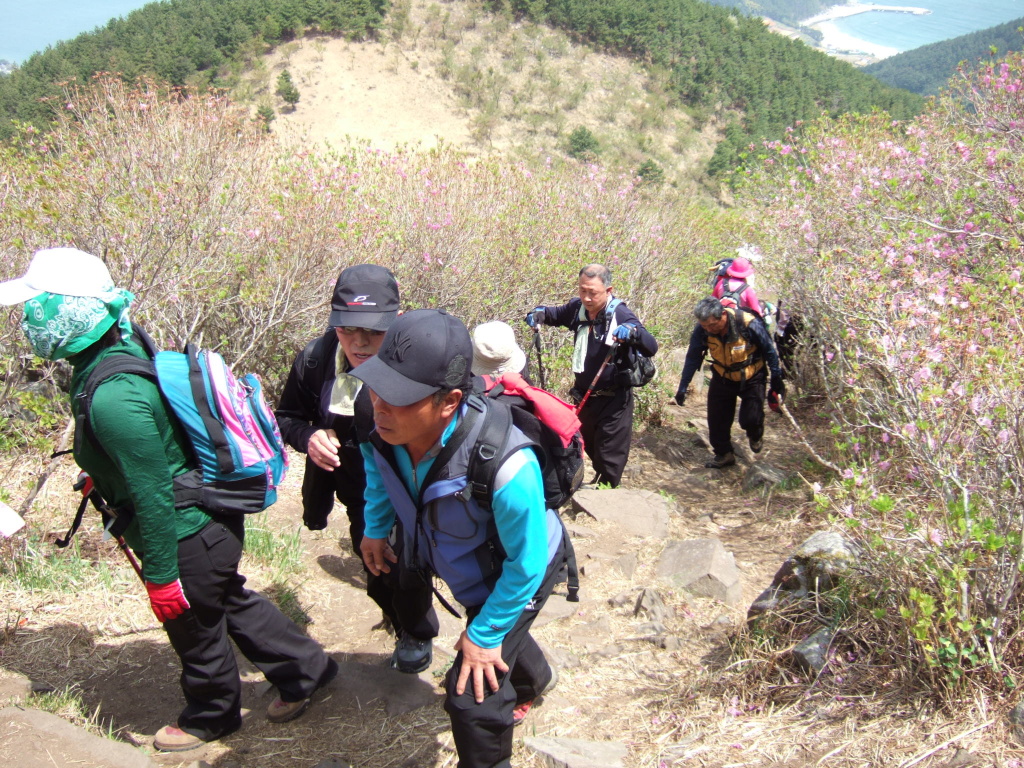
<point x="616" y="684"/>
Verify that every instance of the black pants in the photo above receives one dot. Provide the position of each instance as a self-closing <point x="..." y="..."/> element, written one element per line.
<point x="483" y="732"/>
<point x="410" y="609"/>
<point x="222" y="609"/>
<point x="606" y="423"/>
<point x="722" y="395"/>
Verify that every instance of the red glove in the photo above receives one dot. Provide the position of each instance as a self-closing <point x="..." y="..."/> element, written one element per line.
<point x="774" y="401"/>
<point x="167" y="600"/>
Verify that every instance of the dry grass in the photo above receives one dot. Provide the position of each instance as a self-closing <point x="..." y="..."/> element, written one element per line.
<point x="452" y="73"/>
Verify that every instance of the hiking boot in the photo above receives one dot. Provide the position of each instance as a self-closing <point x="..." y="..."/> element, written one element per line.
<point x="756" y="445"/>
<point x="725" y="460"/>
<point x="281" y="711"/>
<point x="411" y="654"/>
<point x="522" y="709"/>
<point x="171" y="738"/>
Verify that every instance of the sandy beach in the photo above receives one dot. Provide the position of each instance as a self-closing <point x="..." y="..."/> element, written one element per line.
<point x="835" y="41"/>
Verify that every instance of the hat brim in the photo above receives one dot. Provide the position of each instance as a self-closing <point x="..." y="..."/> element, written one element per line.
<point x="17" y="292"/>
<point x="371" y="321"/>
<point x="483" y="366"/>
<point x="391" y="386"/>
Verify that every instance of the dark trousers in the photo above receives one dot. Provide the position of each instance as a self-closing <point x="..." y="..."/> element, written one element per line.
<point x="222" y="609"/>
<point x="722" y="395"/>
<point x="410" y="609"/>
<point x="483" y="732"/>
<point x="606" y="423"/>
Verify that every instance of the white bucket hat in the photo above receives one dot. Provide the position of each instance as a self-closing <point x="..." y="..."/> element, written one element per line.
<point x="67" y="271"/>
<point x="495" y="350"/>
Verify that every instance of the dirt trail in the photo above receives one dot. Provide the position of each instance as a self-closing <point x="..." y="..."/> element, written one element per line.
<point x="613" y="685"/>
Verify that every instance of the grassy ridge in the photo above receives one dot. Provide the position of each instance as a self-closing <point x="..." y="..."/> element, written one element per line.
<point x="719" y="60"/>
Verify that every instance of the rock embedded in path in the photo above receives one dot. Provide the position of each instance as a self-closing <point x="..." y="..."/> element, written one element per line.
<point x="14" y="688"/>
<point x="577" y="753"/>
<point x="30" y="738"/>
<point x="763" y="474"/>
<point x="702" y="567"/>
<point x="650" y="604"/>
<point x="811" y="653"/>
<point x="817" y="565"/>
<point x="635" y="513"/>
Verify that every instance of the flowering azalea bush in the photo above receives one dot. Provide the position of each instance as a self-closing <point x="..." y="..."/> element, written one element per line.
<point x="900" y="246"/>
<point x="231" y="242"/>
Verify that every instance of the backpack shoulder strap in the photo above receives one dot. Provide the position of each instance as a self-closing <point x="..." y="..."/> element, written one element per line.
<point x="488" y="453"/>
<point x="109" y="366"/>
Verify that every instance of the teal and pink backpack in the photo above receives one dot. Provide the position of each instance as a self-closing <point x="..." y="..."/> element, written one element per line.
<point x="239" y="456"/>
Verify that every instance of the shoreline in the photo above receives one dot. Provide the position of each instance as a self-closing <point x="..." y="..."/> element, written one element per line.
<point x="834" y="41"/>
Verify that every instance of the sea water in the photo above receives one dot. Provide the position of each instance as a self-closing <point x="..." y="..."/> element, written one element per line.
<point x="948" y="18"/>
<point x="27" y="26"/>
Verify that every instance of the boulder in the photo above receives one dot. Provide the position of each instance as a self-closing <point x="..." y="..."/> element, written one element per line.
<point x="817" y="565"/>
<point x="702" y="567"/>
<point x="650" y="604"/>
<point x="577" y="753"/>
<point x="34" y="739"/>
<point x="762" y="474"/>
<point x="14" y="688"/>
<point x="635" y="513"/>
<point x="811" y="654"/>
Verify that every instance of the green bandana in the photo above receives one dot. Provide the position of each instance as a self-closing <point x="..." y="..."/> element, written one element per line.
<point x="58" y="326"/>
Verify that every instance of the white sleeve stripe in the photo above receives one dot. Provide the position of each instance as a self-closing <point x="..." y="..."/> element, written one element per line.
<point x="509" y="469"/>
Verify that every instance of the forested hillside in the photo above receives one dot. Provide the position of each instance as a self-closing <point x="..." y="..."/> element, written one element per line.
<point x="926" y="69"/>
<point x="721" y="61"/>
<point x="788" y="11"/>
<point x="178" y="41"/>
<point x="717" y="61"/>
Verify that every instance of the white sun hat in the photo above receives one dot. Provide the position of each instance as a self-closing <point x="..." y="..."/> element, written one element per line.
<point x="495" y="350"/>
<point x="67" y="271"/>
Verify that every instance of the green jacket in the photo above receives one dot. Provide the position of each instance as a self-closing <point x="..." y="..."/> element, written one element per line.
<point x="146" y="448"/>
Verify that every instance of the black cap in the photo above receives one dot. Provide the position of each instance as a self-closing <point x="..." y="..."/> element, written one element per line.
<point x="423" y="351"/>
<point x="365" y="296"/>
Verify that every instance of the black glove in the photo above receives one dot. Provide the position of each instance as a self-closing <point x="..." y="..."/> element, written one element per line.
<point x="535" y="317"/>
<point x="778" y="386"/>
<point x="680" y="397"/>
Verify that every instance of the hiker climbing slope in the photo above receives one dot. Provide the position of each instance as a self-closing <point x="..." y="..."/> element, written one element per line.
<point x="740" y="350"/>
<point x="189" y="556"/>
<point x="605" y="328"/>
<point x="317" y="417"/>
<point x="500" y="559"/>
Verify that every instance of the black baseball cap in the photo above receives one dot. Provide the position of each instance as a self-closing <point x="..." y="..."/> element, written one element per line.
<point x="423" y="351"/>
<point x="365" y="296"/>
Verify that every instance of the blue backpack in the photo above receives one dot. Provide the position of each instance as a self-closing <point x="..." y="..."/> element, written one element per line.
<point x="239" y="456"/>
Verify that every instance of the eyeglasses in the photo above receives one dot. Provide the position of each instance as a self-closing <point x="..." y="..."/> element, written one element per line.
<point x="350" y="330"/>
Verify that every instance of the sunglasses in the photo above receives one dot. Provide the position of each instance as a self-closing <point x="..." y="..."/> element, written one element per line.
<point x="349" y="330"/>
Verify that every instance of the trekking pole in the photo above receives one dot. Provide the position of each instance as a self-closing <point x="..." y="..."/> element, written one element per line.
<point x="785" y="411"/>
<point x="131" y="558"/>
<point x="540" y="357"/>
<point x="604" y="364"/>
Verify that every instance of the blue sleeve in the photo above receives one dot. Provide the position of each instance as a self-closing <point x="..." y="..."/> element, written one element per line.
<point x="694" y="356"/>
<point x="521" y="518"/>
<point x="379" y="513"/>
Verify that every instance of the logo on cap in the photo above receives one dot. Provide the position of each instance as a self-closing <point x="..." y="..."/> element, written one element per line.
<point x="397" y="348"/>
